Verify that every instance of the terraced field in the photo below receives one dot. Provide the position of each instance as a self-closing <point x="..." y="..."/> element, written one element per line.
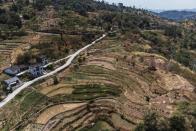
<point x="6" y="49"/>
<point x="10" y="49"/>
<point x="111" y="89"/>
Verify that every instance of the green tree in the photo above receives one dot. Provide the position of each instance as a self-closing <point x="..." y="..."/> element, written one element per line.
<point x="41" y="4"/>
<point x="55" y="80"/>
<point x="173" y="31"/>
<point x="14" y="20"/>
<point x="150" y="122"/>
<point x="177" y="123"/>
<point x="140" y="127"/>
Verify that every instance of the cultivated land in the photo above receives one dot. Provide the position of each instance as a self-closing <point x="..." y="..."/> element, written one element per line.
<point x="109" y="89"/>
<point x="141" y="76"/>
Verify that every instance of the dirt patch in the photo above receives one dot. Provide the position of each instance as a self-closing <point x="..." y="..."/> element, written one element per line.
<point x="49" y="89"/>
<point x="106" y="62"/>
<point x="109" y="59"/>
<point x="63" y="90"/>
<point x="34" y="127"/>
<point x="120" y="123"/>
<point x="102" y="64"/>
<point x="54" y="110"/>
<point x="174" y="82"/>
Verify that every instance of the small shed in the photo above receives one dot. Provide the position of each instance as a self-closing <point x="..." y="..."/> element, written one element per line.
<point x="12" y="83"/>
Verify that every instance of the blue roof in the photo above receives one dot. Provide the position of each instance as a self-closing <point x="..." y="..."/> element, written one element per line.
<point x="11" y="80"/>
<point x="13" y="70"/>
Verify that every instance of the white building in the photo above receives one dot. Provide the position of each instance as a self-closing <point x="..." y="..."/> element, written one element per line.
<point x="36" y="70"/>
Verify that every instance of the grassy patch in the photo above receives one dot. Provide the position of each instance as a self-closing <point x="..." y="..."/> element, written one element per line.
<point x="96" y="88"/>
<point x="89" y="92"/>
<point x="99" y="125"/>
<point x="186" y="108"/>
<point x="183" y="71"/>
<point x="30" y="100"/>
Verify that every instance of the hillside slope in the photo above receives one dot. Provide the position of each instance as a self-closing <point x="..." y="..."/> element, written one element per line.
<point x="140" y="77"/>
<point x="111" y="85"/>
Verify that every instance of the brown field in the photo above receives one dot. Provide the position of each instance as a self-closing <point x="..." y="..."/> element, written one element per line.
<point x="54" y="110"/>
<point x="56" y="89"/>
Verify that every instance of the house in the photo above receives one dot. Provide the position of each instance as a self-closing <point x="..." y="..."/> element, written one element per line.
<point x="12" y="84"/>
<point x="14" y="70"/>
<point x="43" y="60"/>
<point x="36" y="70"/>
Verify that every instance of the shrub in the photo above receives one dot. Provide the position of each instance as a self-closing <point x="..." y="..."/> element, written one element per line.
<point x="55" y="80"/>
<point x="173" y="31"/>
<point x="177" y="123"/>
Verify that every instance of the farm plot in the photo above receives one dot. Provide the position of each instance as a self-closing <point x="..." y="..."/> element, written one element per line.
<point x="54" y="110"/>
<point x="57" y="89"/>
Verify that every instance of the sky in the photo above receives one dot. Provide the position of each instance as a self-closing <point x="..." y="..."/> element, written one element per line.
<point x="158" y="4"/>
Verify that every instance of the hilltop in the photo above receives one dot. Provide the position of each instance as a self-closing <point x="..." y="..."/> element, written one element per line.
<point x="140" y="77"/>
<point x="178" y="15"/>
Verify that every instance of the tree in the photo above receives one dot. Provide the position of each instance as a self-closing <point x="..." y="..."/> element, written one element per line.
<point x="177" y="123"/>
<point x="140" y="127"/>
<point x="150" y="122"/>
<point x="121" y="6"/>
<point x="61" y="25"/>
<point x="28" y="13"/>
<point x="173" y="31"/>
<point x="41" y="4"/>
<point x="80" y="8"/>
<point x="88" y="37"/>
<point x="152" y="66"/>
<point x="55" y="80"/>
<point x="14" y="20"/>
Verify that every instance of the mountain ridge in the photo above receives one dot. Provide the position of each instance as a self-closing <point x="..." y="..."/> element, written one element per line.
<point x="178" y="15"/>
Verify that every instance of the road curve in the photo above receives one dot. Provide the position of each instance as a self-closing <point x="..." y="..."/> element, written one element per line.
<point x="29" y="83"/>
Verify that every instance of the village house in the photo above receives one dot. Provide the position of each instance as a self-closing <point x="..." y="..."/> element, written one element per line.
<point x="43" y="60"/>
<point x="12" y="84"/>
<point x="14" y="70"/>
<point x="36" y="70"/>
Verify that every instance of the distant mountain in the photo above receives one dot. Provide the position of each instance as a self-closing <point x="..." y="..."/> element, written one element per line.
<point x="192" y="10"/>
<point x="178" y="15"/>
<point x="163" y="10"/>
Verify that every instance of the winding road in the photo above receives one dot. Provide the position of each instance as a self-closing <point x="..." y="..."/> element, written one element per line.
<point x="67" y="64"/>
<point x="51" y="63"/>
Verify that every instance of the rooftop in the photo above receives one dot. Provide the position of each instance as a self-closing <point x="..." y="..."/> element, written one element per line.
<point x="11" y="80"/>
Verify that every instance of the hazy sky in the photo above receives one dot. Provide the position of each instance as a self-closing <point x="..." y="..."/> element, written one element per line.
<point x="158" y="4"/>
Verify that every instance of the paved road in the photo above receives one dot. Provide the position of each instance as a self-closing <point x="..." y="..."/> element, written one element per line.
<point x="29" y="83"/>
<point x="51" y="63"/>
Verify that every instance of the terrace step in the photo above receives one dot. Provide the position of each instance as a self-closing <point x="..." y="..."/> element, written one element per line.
<point x="83" y="121"/>
<point x="52" y="123"/>
<point x="1" y="50"/>
<point x="12" y="46"/>
<point x="5" y="53"/>
<point x="67" y="121"/>
<point x="12" y="41"/>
